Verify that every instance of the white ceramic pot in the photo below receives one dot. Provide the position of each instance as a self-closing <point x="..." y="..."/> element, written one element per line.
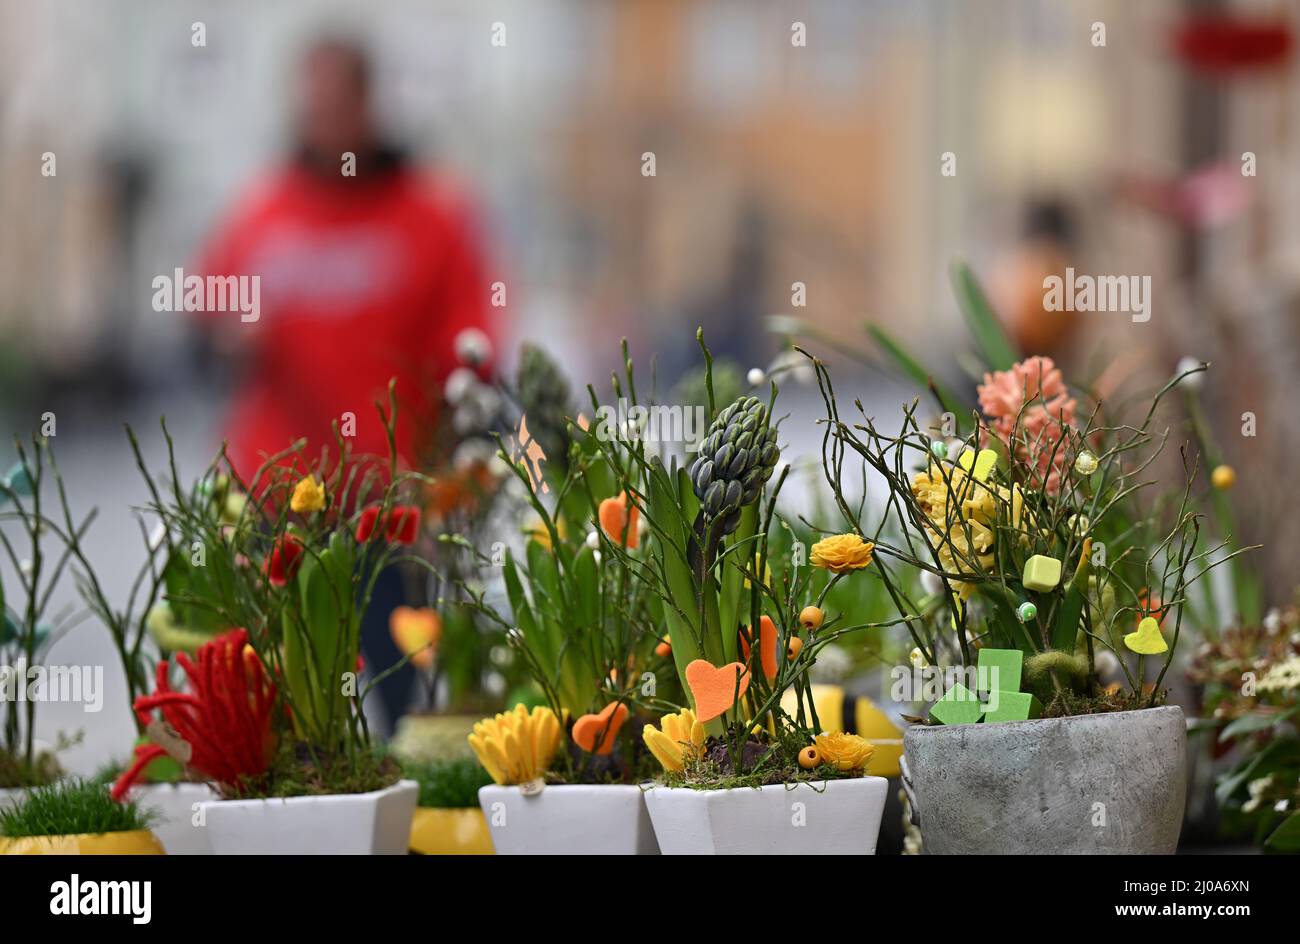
<point x="569" y="820"/>
<point x="834" y="817"/>
<point x="376" y="823"/>
<point x="176" y="806"/>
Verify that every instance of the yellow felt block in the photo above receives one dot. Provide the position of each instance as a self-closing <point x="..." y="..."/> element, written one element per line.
<point x="1041" y="573"/>
<point x="983" y="461"/>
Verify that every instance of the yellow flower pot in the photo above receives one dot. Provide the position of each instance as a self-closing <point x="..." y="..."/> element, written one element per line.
<point x="436" y="831"/>
<point x="136" y="842"/>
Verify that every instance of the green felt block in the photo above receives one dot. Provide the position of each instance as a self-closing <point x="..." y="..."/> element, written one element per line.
<point x="1011" y="706"/>
<point x="959" y="706"/>
<point x="1041" y="573"/>
<point x="1000" y="669"/>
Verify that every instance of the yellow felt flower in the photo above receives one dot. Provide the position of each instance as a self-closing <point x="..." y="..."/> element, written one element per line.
<point x="842" y="553"/>
<point x="676" y="737"/>
<point x="845" y="751"/>
<point x="308" y="495"/>
<point x="517" y="746"/>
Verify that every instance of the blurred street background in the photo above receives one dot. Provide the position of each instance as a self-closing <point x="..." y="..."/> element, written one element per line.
<point x="823" y="163"/>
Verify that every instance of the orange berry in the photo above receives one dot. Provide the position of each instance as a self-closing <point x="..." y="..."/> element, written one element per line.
<point x="811" y="617"/>
<point x="793" y="648"/>
<point x="665" y="648"/>
<point x="810" y="757"/>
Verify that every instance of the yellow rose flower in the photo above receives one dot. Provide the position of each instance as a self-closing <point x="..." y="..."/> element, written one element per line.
<point x="845" y="751"/>
<point x="842" y="553"/>
<point x="676" y="736"/>
<point x="308" y="495"/>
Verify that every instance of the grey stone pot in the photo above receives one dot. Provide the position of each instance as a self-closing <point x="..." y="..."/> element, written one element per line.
<point x="1105" y="783"/>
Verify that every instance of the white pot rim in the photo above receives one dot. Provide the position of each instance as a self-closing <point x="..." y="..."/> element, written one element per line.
<point x="568" y="787"/>
<point x="817" y="786"/>
<point x="400" y="786"/>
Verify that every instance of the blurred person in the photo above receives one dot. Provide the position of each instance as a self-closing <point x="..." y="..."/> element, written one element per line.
<point x="363" y="278"/>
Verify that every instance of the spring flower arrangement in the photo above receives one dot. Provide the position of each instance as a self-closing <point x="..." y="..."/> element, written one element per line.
<point x="270" y="705"/>
<point x="742" y="605"/>
<point x="1251" y="675"/>
<point x="639" y="596"/>
<point x="573" y="609"/>
<point x="1045" y="565"/>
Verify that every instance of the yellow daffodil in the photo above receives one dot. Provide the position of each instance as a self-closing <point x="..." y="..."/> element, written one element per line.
<point x="517" y="746"/>
<point x="308" y="495"/>
<point x="842" y="553"/>
<point x="676" y="737"/>
<point x="845" y="751"/>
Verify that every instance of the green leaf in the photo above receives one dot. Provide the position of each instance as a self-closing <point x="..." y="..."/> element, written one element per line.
<point x="994" y="345"/>
<point x="1249" y="724"/>
<point x="1286" y="838"/>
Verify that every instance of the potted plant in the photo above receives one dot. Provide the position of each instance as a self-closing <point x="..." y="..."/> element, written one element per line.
<point x="448" y="820"/>
<point x="1046" y="570"/>
<point x="76" y="817"/>
<point x="1252" y="676"/>
<point x="269" y="711"/>
<point x="745" y="769"/>
<point x="567" y="772"/>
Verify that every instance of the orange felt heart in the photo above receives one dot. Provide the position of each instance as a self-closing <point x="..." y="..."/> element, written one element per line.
<point x="601" y="727"/>
<point x="416" y="633"/>
<point x="714" y="689"/>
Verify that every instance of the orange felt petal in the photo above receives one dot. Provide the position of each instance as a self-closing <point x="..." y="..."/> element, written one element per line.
<point x="413" y="630"/>
<point x="596" y="733"/>
<point x="714" y="689"/>
<point x="615" y="515"/>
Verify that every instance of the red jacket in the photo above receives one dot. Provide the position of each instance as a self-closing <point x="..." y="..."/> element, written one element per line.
<point x="362" y="279"/>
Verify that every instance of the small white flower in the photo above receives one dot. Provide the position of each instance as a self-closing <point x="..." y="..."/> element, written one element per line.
<point x="756" y="377"/>
<point x="1273" y="621"/>
<point x="595" y="555"/>
<point x="593" y="540"/>
<point x="1281" y="806"/>
<point x="917" y="658"/>
<point x="459" y="382"/>
<point x="641" y="526"/>
<point x="1192" y="381"/>
<point x="473" y="347"/>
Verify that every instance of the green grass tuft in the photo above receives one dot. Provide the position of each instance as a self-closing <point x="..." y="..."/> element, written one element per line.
<point x="72" y="808"/>
<point x="449" y="784"/>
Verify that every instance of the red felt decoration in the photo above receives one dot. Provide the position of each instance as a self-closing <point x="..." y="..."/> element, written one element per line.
<point x="225" y="717"/>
